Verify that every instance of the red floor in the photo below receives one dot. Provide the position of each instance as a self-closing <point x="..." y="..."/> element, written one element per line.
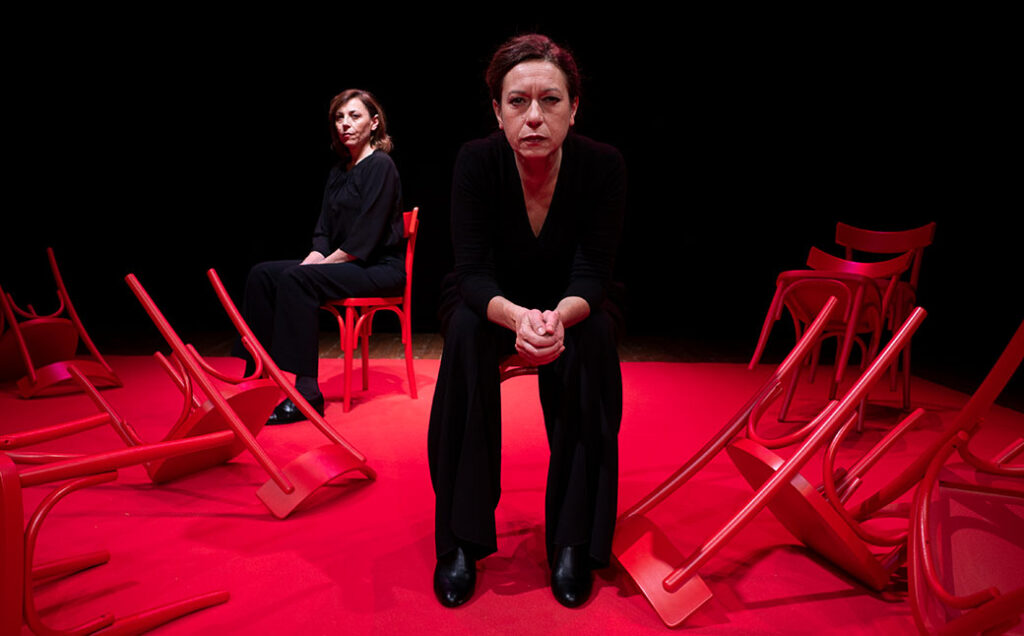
<point x="362" y="561"/>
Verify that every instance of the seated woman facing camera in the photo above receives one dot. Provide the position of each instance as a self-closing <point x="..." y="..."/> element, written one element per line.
<point x="357" y="250"/>
<point x="536" y="217"/>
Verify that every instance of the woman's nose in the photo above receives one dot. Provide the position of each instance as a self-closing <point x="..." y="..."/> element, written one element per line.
<point x="533" y="114"/>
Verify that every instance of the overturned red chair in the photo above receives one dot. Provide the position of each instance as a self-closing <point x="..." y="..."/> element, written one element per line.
<point x="863" y="309"/>
<point x="36" y="349"/>
<point x="357" y="322"/>
<point x="312" y="469"/>
<point x="239" y="406"/>
<point x="966" y="552"/>
<point x="670" y="582"/>
<point x="852" y="535"/>
<point x="18" y="540"/>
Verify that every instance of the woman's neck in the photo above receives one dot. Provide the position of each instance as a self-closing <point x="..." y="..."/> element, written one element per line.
<point x="363" y="154"/>
<point x="539" y="175"/>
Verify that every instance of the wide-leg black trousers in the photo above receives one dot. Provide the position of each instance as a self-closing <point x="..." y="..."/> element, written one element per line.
<point x="282" y="299"/>
<point x="581" y="398"/>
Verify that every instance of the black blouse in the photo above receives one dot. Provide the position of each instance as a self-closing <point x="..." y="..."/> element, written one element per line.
<point x="361" y="212"/>
<point x="496" y="252"/>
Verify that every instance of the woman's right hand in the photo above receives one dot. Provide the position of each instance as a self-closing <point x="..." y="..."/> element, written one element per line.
<point x="313" y="258"/>
<point x="540" y="336"/>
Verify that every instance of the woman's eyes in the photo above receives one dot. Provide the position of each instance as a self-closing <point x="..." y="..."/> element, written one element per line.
<point x="547" y="99"/>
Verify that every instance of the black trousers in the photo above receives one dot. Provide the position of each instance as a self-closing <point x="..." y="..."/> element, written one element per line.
<point x="581" y="398"/>
<point x="282" y="299"/>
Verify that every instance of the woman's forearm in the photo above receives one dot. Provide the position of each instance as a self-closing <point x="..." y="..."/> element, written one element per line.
<point x="504" y="312"/>
<point x="572" y="309"/>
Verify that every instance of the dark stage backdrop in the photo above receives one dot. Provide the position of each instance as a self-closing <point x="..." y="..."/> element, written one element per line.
<point x="168" y="144"/>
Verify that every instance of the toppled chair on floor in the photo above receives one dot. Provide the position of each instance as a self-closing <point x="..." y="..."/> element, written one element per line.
<point x="18" y="540"/>
<point x="314" y="468"/>
<point x="670" y="582"/>
<point x="37" y="349"/>
<point x="966" y="552"/>
<point x="849" y="535"/>
<point x="235" y="405"/>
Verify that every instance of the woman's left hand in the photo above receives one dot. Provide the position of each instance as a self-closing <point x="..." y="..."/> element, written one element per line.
<point x="540" y="336"/>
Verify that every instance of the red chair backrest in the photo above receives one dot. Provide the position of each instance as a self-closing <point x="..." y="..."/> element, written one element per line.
<point x="861" y="240"/>
<point x="412" y="227"/>
<point x="823" y="261"/>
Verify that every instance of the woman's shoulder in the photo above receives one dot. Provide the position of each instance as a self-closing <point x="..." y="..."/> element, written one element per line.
<point x="378" y="165"/>
<point x="378" y="160"/>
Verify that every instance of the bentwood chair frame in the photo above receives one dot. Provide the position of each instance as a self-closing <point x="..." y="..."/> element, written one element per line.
<point x="994" y="600"/>
<point x="857" y="241"/>
<point x="37" y="349"/>
<point x="356" y="324"/>
<point x="821" y="517"/>
<point x="863" y="305"/>
<point x="18" y="540"/>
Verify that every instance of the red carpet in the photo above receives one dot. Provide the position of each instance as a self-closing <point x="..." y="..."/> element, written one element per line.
<point x="362" y="561"/>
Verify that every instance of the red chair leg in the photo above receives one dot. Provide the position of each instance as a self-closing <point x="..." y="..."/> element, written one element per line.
<point x="349" y="345"/>
<point x="407" y="341"/>
<point x="364" y="338"/>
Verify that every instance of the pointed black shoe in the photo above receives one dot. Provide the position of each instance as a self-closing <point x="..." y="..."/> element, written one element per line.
<point x="454" y="578"/>
<point x="571" y="578"/>
<point x="286" y="412"/>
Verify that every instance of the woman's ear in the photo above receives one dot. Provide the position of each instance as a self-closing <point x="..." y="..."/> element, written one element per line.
<point x="497" y="114"/>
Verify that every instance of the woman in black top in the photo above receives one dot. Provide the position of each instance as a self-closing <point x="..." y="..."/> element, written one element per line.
<point x="536" y="217"/>
<point x="356" y="251"/>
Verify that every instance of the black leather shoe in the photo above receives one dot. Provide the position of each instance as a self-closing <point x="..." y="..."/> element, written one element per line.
<point x="571" y="578"/>
<point x="454" y="578"/>
<point x="286" y="412"/>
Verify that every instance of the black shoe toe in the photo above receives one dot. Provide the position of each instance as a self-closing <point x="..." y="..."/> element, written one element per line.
<point x="454" y="578"/>
<point x="287" y="412"/>
<point x="571" y="577"/>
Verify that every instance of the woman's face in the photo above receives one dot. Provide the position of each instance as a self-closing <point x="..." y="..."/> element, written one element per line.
<point x="355" y="125"/>
<point x="535" y="110"/>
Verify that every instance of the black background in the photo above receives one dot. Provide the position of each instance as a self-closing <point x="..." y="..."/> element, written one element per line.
<point x="167" y="143"/>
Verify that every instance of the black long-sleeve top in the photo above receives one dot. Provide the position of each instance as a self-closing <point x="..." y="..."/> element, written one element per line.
<point x="496" y="252"/>
<point x="361" y="212"/>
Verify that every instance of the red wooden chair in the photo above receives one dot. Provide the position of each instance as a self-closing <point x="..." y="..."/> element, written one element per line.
<point x="36" y="349"/>
<point x="966" y="552"/>
<point x="358" y="318"/>
<point x="863" y="306"/>
<point x="849" y="535"/>
<point x="18" y="539"/>
<point x="669" y="580"/>
<point x="857" y="241"/>
<point x="317" y="467"/>
<point x="236" y="405"/>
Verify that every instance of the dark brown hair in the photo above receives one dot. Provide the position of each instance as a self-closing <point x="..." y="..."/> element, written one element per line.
<point x="523" y="48"/>
<point x="379" y="137"/>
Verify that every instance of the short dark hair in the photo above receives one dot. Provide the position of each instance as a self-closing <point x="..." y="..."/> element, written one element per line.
<point x="523" y="48"/>
<point x="379" y="138"/>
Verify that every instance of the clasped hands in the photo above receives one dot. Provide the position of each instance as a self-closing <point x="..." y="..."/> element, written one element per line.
<point x="540" y="336"/>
